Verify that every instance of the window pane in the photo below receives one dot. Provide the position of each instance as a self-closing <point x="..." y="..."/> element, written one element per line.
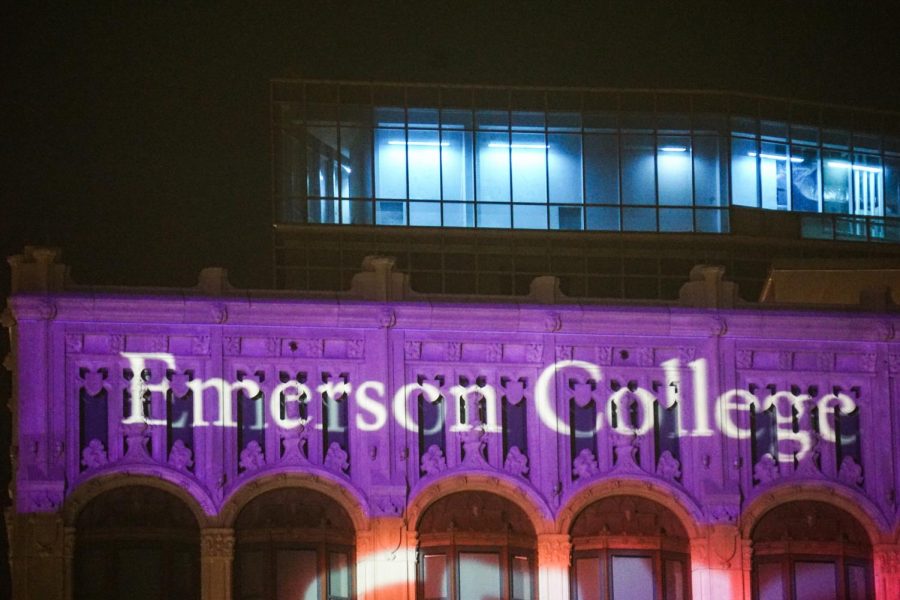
<point x="867" y="185"/>
<point x="424" y="157"/>
<point x="390" y="213"/>
<point x="456" y="162"/>
<point x="743" y="172"/>
<point x="493" y="166"/>
<point x="459" y="214"/>
<point x="252" y="574"/>
<point x="836" y="182"/>
<point x="521" y="578"/>
<point x="710" y="174"/>
<point x="856" y="582"/>
<point x="139" y="574"/>
<point x="565" y="217"/>
<point x="425" y="214"/>
<point x="356" y="163"/>
<point x="601" y="168"/>
<point x="632" y="578"/>
<point x="390" y="163"/>
<point x="601" y="218"/>
<point x="435" y="577"/>
<point x="587" y="579"/>
<point x="805" y="179"/>
<point x="529" y="167"/>
<point x="674" y="580"/>
<point x="296" y="575"/>
<point x="773" y="175"/>
<point x="493" y="215"/>
<point x="770" y="581"/>
<point x="815" y="581"/>
<point x="638" y="170"/>
<point x="673" y="158"/>
<point x="338" y="576"/>
<point x="639" y="219"/>
<point x="530" y="216"/>
<point x="479" y="576"/>
<point x="711" y="220"/>
<point x="676" y="219"/>
<point x="564" y="157"/>
<point x="892" y="187"/>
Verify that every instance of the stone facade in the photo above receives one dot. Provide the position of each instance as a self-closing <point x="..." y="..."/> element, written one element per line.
<point x="70" y="353"/>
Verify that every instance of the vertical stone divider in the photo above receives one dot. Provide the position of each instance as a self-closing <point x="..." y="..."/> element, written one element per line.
<point x="554" y="560"/>
<point x="886" y="559"/>
<point x="720" y="563"/>
<point x="386" y="560"/>
<point x="216" y="563"/>
<point x="69" y="563"/>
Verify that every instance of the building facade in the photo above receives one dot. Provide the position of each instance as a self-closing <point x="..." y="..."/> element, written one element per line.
<point x="494" y="413"/>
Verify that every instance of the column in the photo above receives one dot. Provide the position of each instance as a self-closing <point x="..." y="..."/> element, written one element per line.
<point x="37" y="556"/>
<point x="887" y="571"/>
<point x="554" y="558"/>
<point x="216" y="558"/>
<point x="69" y="563"/>
<point x="720" y="564"/>
<point x="386" y="560"/>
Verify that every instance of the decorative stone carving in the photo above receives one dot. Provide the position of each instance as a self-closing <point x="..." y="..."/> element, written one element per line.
<point x="687" y="353"/>
<point x="74" y="343"/>
<point x="473" y="447"/>
<point x="765" y="469"/>
<point x="452" y="351"/>
<point x="272" y="346"/>
<point x="516" y="463"/>
<point x="825" y="361"/>
<point x="553" y="322"/>
<point x="45" y="500"/>
<point x="604" y="355"/>
<point x="137" y="436"/>
<point x="116" y="343"/>
<point x="200" y="344"/>
<point x="433" y="461"/>
<point x="336" y="458"/>
<point x="356" y="348"/>
<point x="494" y="353"/>
<point x="645" y="357"/>
<point x="232" y="345"/>
<point x="744" y="359"/>
<point x="850" y="472"/>
<point x="585" y="465"/>
<point x="94" y="455"/>
<point x="159" y="343"/>
<point x="785" y="360"/>
<point x="217" y="543"/>
<point x="312" y="348"/>
<point x="296" y="444"/>
<point x="723" y="513"/>
<point x="534" y="353"/>
<point x="808" y="466"/>
<point x="564" y="352"/>
<point x="252" y="457"/>
<point x="668" y="466"/>
<point x="867" y="362"/>
<point x="626" y="448"/>
<point x="555" y="549"/>
<point x="388" y="506"/>
<point x="894" y="363"/>
<point x="387" y="318"/>
<point x="180" y="456"/>
<point x="93" y="382"/>
<point x="412" y="350"/>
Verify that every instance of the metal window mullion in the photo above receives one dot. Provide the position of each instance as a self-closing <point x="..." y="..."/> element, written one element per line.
<point x="407" y="212"/>
<point x="546" y="163"/>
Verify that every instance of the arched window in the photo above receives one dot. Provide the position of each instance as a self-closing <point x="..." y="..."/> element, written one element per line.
<point x="629" y="547"/>
<point x="811" y="550"/>
<point x="294" y="544"/>
<point x="139" y="543"/>
<point x="476" y="545"/>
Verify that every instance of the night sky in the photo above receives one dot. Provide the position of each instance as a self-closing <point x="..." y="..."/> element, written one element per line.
<point x="138" y="139"/>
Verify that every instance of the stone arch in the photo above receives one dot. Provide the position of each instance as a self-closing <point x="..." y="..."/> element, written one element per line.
<point x="184" y="488"/>
<point x="513" y="490"/>
<point x="342" y="492"/>
<point x="684" y="508"/>
<point x="854" y="503"/>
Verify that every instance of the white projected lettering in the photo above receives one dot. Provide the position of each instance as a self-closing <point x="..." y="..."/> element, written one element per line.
<point x="626" y="411"/>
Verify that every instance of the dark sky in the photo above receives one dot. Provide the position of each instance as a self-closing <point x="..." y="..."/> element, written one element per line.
<point x="138" y="139"/>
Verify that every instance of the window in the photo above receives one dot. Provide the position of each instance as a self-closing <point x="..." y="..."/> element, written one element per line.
<point x="293" y="544"/>
<point x="475" y="545"/>
<point x="810" y="551"/>
<point x="644" y="556"/>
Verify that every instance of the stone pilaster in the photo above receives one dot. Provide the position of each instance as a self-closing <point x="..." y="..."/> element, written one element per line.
<point x="554" y="559"/>
<point x="386" y="561"/>
<point x="720" y="564"/>
<point x="37" y="556"/>
<point x="69" y="560"/>
<point x="216" y="558"/>
<point x="887" y="571"/>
